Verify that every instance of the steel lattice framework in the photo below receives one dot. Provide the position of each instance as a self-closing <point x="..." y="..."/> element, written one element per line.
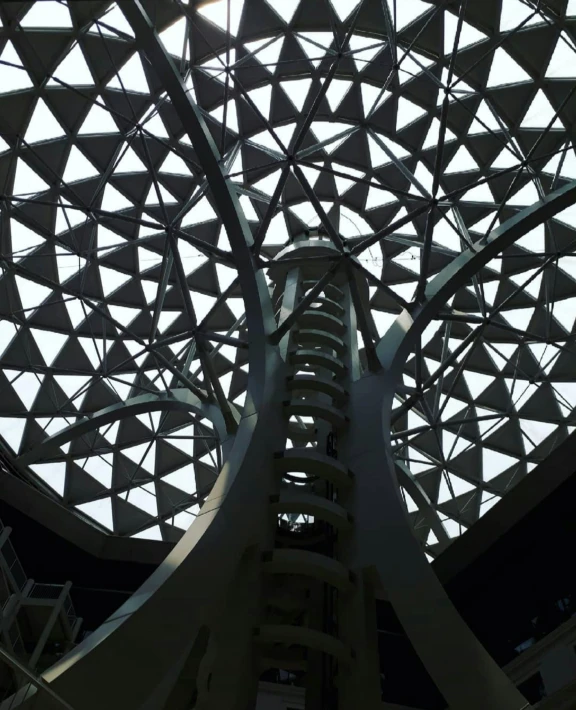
<point x="193" y="194"/>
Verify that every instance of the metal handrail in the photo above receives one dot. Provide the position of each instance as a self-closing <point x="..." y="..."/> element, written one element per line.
<point x="14" y="564"/>
<point x="36" y="681"/>
<point x="45" y="591"/>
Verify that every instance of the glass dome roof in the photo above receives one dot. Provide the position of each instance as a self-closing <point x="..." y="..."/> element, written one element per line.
<point x="425" y="125"/>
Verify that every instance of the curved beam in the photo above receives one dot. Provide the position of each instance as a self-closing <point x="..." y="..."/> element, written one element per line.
<point x="397" y="342"/>
<point x="161" y="621"/>
<point x="176" y="400"/>
<point x="411" y="585"/>
<point x="419" y="496"/>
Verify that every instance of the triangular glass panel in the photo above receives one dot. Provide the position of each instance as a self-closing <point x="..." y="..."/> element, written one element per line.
<point x="328" y="132"/>
<point x="480" y="193"/>
<point x="13" y="76"/>
<point x="129" y="162"/>
<point x="43" y="125"/>
<point x="174" y="165"/>
<point x="32" y="294"/>
<point x="48" y="13"/>
<point x="99" y="510"/>
<point x="568" y="264"/>
<point x="536" y="431"/>
<point x="284" y="133"/>
<point x="267" y="52"/>
<point x="26" y="181"/>
<point x="153" y="533"/>
<point x="72" y="70"/>
<point x="142" y="455"/>
<point x="161" y="194"/>
<point x="484" y="120"/>
<point x="200" y="213"/>
<point x="23" y="240"/>
<point x="7" y="332"/>
<point x="112" y="279"/>
<point x="262" y="98"/>
<point x="76" y="311"/>
<point x="540" y="114"/>
<point x="461" y="162"/>
<point x="131" y="77"/>
<point x="152" y="123"/>
<point x="564" y="312"/>
<point x="12" y="430"/>
<point x="297" y="91"/>
<point x="404" y="12"/>
<point x="203" y="304"/>
<point x="224" y="14"/>
<point x="174" y="38"/>
<point x="505" y="70"/>
<point x="113" y="200"/>
<point x="67" y="217"/>
<point x="506" y="159"/>
<point x="98" y="121"/>
<point x="515" y="13"/>
<point x="337" y="91"/>
<point x="409" y="229"/>
<point x="148" y="259"/>
<point x="345" y="183"/>
<point x="378" y="198"/>
<point x="25" y="384"/>
<point x="372" y="97"/>
<point x="53" y="474"/>
<point x="315" y="45"/>
<point x="433" y="135"/>
<point x="407" y="113"/>
<point x="343" y="8"/>
<point x="166" y="319"/>
<point x="231" y="115"/>
<point x="216" y="68"/>
<point x="100" y="468"/>
<point x="527" y="195"/>
<point x="411" y="65"/>
<point x="364" y="50"/>
<point x="477" y="382"/>
<point x="488" y="501"/>
<point x="535" y="240"/>
<point x="568" y="167"/>
<point x="123" y="314"/>
<point x="468" y="35"/>
<point x="519" y="318"/>
<point x="49" y="343"/>
<point x="562" y="65"/>
<point x="94" y="349"/>
<point x="277" y="231"/>
<point x="107" y="240"/>
<point x="115" y="19"/>
<point x="533" y="287"/>
<point x="74" y="387"/>
<point x="452" y="486"/>
<point x="285" y="9"/>
<point x="495" y="462"/>
<point x="68" y="263"/>
<point x="150" y="290"/>
<point x="78" y="167"/>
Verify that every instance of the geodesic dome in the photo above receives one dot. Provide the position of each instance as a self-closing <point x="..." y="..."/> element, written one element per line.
<point x="414" y="127"/>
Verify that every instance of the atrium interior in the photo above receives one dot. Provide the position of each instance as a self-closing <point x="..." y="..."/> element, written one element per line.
<point x="287" y="386"/>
